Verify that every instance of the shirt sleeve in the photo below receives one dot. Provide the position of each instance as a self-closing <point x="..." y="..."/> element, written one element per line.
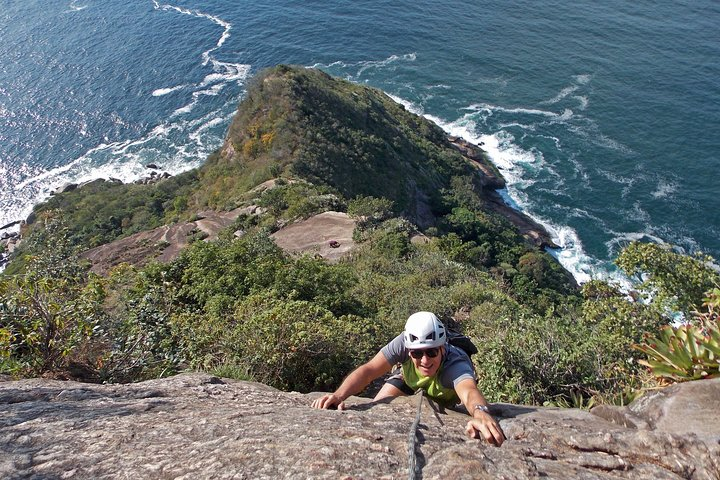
<point x="395" y="351"/>
<point x="457" y="367"/>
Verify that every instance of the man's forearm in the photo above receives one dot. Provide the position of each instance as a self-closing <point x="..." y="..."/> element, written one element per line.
<point x="353" y="383"/>
<point x="470" y="396"/>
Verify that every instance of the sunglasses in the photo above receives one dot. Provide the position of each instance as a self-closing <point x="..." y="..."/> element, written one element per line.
<point x="430" y="352"/>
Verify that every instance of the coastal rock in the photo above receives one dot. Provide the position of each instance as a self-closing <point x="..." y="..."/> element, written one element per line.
<point x="199" y="426"/>
<point x="68" y="187"/>
<point x="489" y="176"/>
<point x="11" y="225"/>
<point x="491" y="180"/>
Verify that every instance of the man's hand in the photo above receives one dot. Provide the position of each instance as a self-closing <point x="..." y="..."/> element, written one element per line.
<point x="485" y="426"/>
<point x="327" y="401"/>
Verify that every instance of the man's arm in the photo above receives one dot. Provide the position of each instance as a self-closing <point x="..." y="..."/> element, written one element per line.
<point x="482" y="425"/>
<point x="355" y="382"/>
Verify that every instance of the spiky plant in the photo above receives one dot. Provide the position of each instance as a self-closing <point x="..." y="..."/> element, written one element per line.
<point x="687" y="352"/>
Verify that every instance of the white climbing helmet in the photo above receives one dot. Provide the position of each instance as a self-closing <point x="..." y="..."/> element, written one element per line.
<point x="424" y="330"/>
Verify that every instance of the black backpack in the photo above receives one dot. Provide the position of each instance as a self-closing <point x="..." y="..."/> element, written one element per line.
<point x="461" y="341"/>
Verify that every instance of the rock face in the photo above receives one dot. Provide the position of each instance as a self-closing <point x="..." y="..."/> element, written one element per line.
<point x="317" y="234"/>
<point x="198" y="426"/>
<point x="162" y="244"/>
<point x="312" y="236"/>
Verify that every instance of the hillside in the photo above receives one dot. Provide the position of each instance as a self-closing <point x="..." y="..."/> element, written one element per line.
<point x="302" y="123"/>
<point x="300" y="247"/>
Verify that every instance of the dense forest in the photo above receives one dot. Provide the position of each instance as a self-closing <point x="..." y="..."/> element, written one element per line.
<point x="240" y="307"/>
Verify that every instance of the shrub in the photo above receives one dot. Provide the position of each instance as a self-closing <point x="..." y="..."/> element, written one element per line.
<point x="295" y="345"/>
<point x="670" y="279"/>
<point x="50" y="309"/>
<point x="533" y="359"/>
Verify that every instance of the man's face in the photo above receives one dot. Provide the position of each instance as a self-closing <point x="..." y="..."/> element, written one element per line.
<point x="425" y="362"/>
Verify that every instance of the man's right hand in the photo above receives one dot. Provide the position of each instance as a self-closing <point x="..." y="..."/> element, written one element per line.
<point x="327" y="401"/>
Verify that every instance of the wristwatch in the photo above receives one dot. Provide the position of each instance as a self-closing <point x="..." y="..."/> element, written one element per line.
<point x="482" y="408"/>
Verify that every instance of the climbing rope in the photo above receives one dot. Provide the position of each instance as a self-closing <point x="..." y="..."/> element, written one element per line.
<point x="412" y="459"/>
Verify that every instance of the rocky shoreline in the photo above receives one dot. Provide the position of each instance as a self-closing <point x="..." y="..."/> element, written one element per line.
<point x="11" y="233"/>
<point x="493" y="181"/>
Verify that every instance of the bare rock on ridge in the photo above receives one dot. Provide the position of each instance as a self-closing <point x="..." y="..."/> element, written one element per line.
<point x="198" y="426"/>
<point x="162" y="244"/>
<point x="328" y="235"/>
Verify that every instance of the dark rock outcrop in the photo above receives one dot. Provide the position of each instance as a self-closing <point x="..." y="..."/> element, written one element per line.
<point x="198" y="426"/>
<point x="491" y="180"/>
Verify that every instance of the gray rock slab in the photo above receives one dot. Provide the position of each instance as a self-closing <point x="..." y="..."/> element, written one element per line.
<point x="313" y="236"/>
<point x="688" y="407"/>
<point x="198" y="426"/>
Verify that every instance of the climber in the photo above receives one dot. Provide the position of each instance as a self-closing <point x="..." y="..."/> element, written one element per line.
<point x="442" y="370"/>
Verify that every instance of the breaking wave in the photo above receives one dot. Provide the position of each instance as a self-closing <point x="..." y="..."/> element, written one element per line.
<point x="178" y="143"/>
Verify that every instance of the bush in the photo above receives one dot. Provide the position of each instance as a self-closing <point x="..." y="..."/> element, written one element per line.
<point x="295" y="345"/>
<point x="49" y="310"/>
<point x="533" y="359"/>
<point x="672" y="280"/>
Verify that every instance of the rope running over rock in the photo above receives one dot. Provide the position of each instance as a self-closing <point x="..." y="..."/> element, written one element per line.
<point x="412" y="437"/>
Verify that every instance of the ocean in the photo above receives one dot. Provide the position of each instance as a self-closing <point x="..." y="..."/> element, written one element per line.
<point x="602" y="116"/>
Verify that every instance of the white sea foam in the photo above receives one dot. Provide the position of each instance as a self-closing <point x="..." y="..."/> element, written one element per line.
<point x="372" y="64"/>
<point x="177" y="144"/>
<point x="664" y="189"/>
<point x="523" y="126"/>
<point x="563" y="93"/>
<point x="580" y="169"/>
<point x="639" y="214"/>
<point x="74" y="7"/>
<point x="556" y="141"/>
<point x="571" y="255"/>
<point x="515" y="163"/>
<point x="409" y="106"/>
<point x="185" y="109"/>
<point x="196" y="136"/>
<point x="583" y="101"/>
<point x="590" y="132"/>
<point x="164" y="91"/>
<point x="196" y="13"/>
<point x="615" y="178"/>
<point x="583" y="79"/>
<point x="528" y="111"/>
<point x="620" y="240"/>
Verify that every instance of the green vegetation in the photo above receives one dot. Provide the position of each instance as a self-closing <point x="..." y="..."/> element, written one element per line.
<point x="243" y="308"/>
<point x="687" y="352"/>
<point x="674" y="281"/>
<point x="102" y="211"/>
<point x="47" y="313"/>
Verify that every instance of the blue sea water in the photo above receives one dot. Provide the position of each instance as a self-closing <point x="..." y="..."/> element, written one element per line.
<point x="603" y="116"/>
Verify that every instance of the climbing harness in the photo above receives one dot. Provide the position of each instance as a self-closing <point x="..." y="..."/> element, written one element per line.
<point x="412" y="437"/>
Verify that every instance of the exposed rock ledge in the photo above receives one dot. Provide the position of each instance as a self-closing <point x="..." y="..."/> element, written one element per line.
<point x="198" y="426"/>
